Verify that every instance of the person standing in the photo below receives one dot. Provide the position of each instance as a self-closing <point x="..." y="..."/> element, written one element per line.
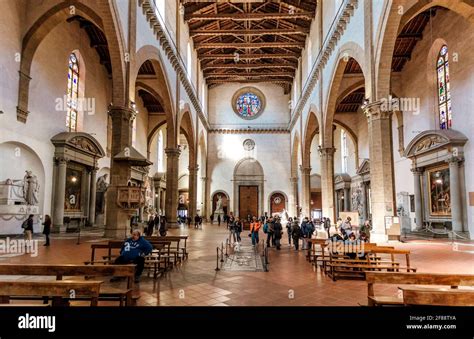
<point x="163" y="226"/>
<point x="254" y="229"/>
<point x="238" y="229"/>
<point x="296" y="233"/>
<point x="28" y="229"/>
<point x="47" y="228"/>
<point x="288" y="229"/>
<point x="304" y="233"/>
<point x="150" y="226"/>
<point x="196" y="221"/>
<point x="218" y="220"/>
<point x="327" y="226"/>
<point x="277" y="233"/>
<point x="156" y="222"/>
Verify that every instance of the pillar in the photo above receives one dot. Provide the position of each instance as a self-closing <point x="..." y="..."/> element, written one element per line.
<point x="204" y="198"/>
<point x="381" y="167"/>
<point x="93" y="193"/>
<point x="306" y="183"/>
<point x="347" y="199"/>
<point x="327" y="181"/>
<point x="59" y="194"/>
<point x="172" y="168"/>
<point x="294" y="188"/>
<point x="118" y="219"/>
<point x="418" y="199"/>
<point x="192" y="190"/>
<point x="455" y="195"/>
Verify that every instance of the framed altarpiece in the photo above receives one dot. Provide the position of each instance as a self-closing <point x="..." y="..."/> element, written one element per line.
<point x="439" y="180"/>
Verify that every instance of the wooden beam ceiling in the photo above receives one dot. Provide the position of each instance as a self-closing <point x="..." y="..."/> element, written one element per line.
<point x="249" y="41"/>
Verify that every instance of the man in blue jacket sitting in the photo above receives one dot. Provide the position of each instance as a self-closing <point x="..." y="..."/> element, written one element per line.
<point x="134" y="251"/>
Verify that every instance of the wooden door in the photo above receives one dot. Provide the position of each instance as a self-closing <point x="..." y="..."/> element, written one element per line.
<point x="277" y="203"/>
<point x="248" y="203"/>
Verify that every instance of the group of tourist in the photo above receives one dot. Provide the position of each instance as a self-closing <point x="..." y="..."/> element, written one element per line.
<point x="156" y="222"/>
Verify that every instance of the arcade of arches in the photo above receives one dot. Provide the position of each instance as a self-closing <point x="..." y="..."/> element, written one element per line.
<point x="125" y="109"/>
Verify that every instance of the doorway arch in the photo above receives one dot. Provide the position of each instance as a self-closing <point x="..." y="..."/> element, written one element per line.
<point x="248" y="176"/>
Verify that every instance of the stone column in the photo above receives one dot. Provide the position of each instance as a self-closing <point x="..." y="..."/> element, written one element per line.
<point x="59" y="194"/>
<point x="381" y="167"/>
<point x="294" y="188"/>
<point x="204" y="198"/>
<point x="192" y="190"/>
<point x="306" y="183"/>
<point x="418" y="199"/>
<point x="172" y="168"/>
<point x="455" y="195"/>
<point x="347" y="199"/>
<point x="117" y="218"/>
<point x="93" y="193"/>
<point x="327" y="181"/>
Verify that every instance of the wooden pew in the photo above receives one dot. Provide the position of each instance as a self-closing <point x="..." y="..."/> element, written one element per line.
<point x="453" y="281"/>
<point x="437" y="297"/>
<point x="180" y="253"/>
<point x="356" y="268"/>
<point x="123" y="295"/>
<point x="158" y="261"/>
<point x="59" y="291"/>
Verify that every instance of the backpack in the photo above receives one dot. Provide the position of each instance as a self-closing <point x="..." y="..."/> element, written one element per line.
<point x="24" y="224"/>
<point x="265" y="228"/>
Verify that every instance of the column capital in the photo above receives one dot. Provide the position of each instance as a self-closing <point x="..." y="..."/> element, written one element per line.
<point x="454" y="160"/>
<point x="294" y="180"/>
<point x="61" y="160"/>
<point x="172" y="152"/>
<point x="126" y="113"/>
<point x="305" y="169"/>
<point x="377" y="110"/>
<point x="204" y="179"/>
<point x="326" y="151"/>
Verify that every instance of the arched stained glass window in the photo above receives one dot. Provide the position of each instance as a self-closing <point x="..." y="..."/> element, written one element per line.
<point x="444" y="95"/>
<point x="72" y="93"/>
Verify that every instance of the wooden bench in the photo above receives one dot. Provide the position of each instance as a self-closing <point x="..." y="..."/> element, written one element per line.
<point x="158" y="261"/>
<point x="61" y="292"/>
<point x="122" y="295"/>
<point x="403" y="278"/>
<point x="180" y="253"/>
<point x="437" y="297"/>
<point x="370" y="261"/>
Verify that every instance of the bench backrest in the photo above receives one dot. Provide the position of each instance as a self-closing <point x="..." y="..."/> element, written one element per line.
<point x="419" y="278"/>
<point x="68" y="270"/>
<point x="437" y="297"/>
<point x="62" y="289"/>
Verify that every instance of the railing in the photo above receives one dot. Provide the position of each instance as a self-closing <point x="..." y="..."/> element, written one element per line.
<point x="222" y="252"/>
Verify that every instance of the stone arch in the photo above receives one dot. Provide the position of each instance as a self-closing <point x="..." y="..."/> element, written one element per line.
<point x="347" y="51"/>
<point x="394" y="23"/>
<point x="249" y="172"/>
<point x="226" y="203"/>
<point x="160" y="90"/>
<point x="24" y="158"/>
<point x="312" y="128"/>
<point x="187" y="128"/>
<point x="295" y="148"/>
<point x="103" y="18"/>
<point x="270" y="199"/>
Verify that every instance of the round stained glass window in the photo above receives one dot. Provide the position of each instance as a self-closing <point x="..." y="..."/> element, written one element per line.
<point x="248" y="103"/>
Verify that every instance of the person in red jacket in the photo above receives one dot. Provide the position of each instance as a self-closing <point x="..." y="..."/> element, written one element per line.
<point x="255" y="226"/>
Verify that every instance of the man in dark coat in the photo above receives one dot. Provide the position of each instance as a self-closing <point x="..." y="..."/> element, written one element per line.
<point x="277" y="233"/>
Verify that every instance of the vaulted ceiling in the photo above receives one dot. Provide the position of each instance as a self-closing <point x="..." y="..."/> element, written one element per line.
<point x="253" y="41"/>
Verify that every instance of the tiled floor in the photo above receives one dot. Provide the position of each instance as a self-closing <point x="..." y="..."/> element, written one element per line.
<point x="290" y="280"/>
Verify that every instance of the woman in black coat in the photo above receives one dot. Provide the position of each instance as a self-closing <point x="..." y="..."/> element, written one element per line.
<point x="47" y="228"/>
